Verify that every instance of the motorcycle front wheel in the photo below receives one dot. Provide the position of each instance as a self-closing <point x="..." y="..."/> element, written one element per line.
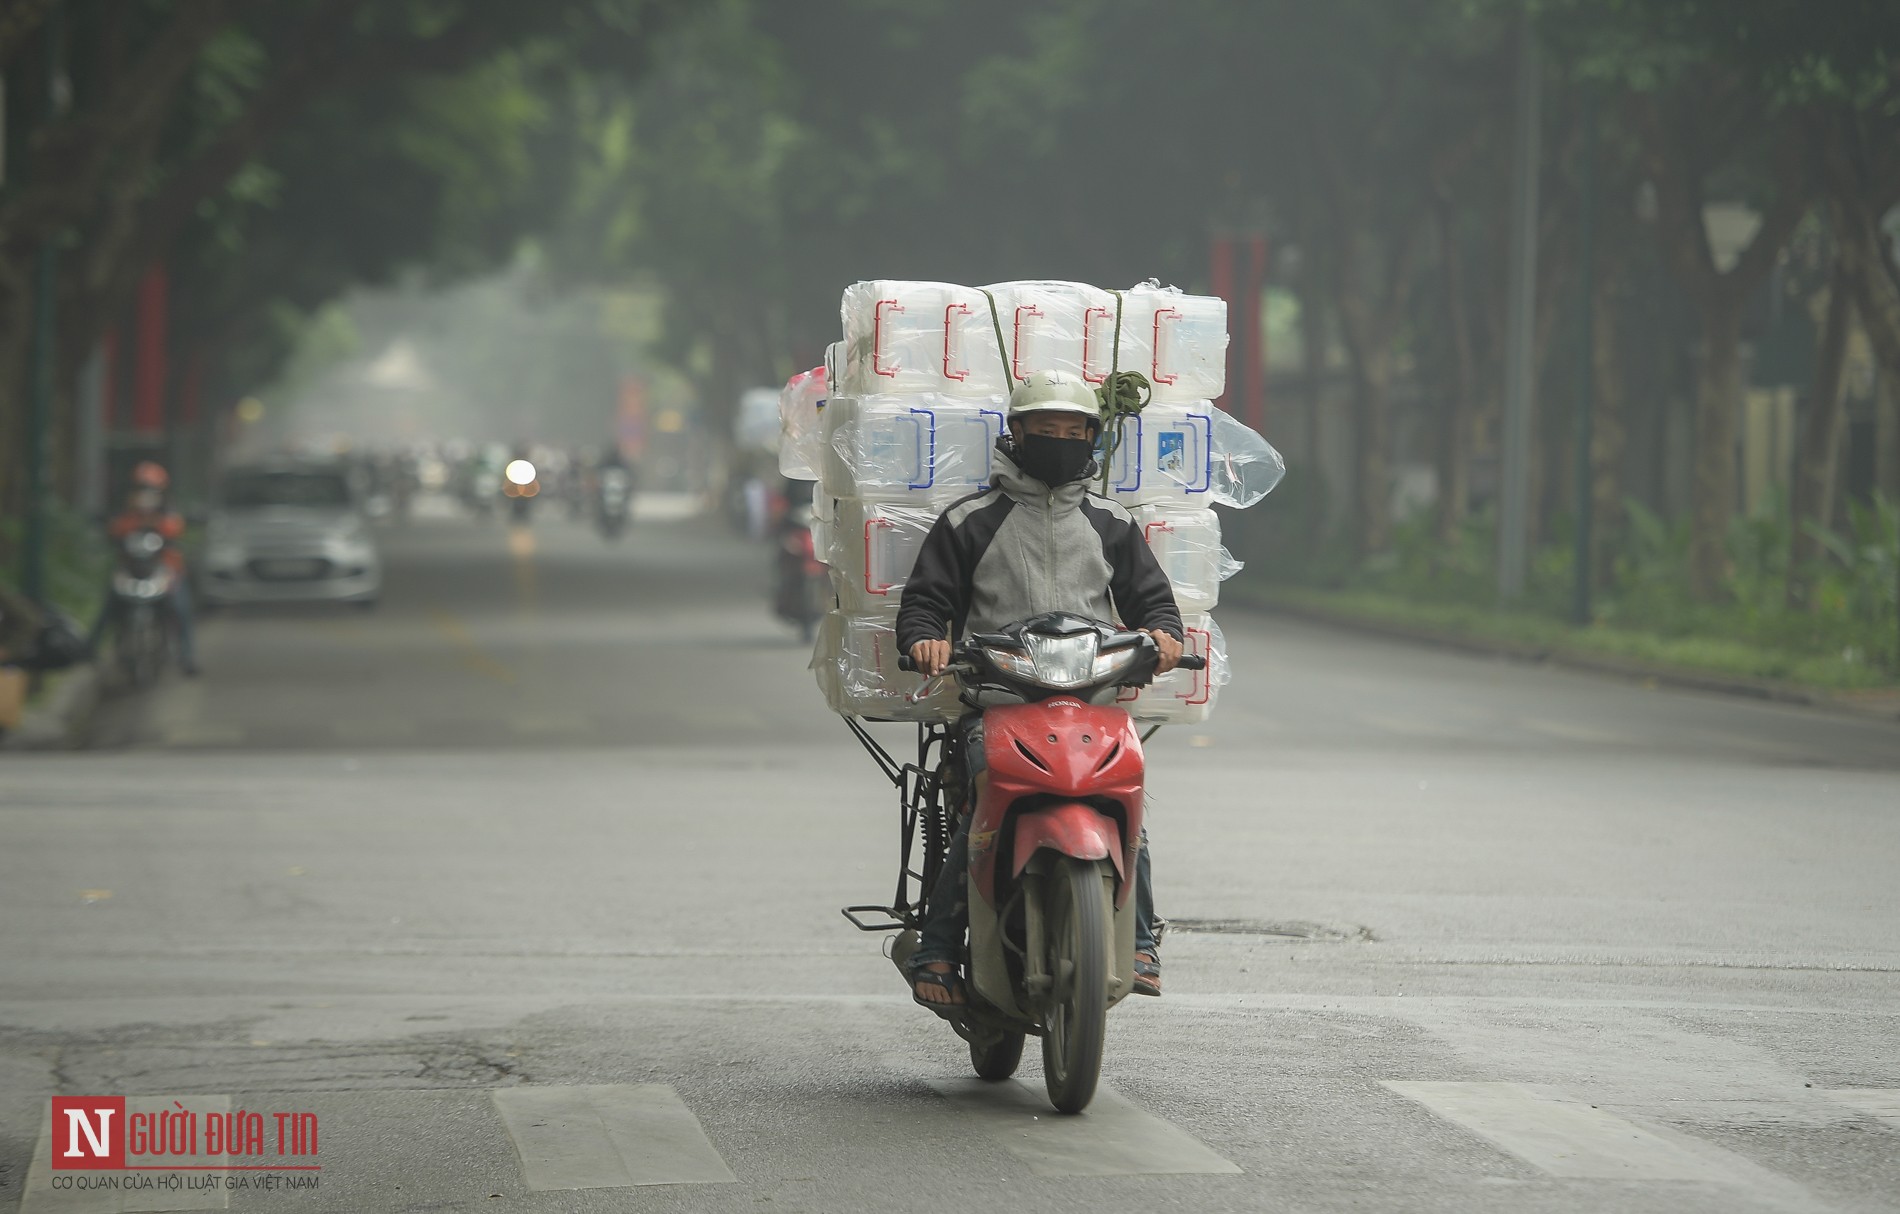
<point x="138" y="647"/>
<point x="998" y="1058"/>
<point x="1076" y="948"/>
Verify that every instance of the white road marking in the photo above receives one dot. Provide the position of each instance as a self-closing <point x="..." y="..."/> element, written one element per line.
<point x="1883" y="1103"/>
<point x="202" y="734"/>
<point x="1112" y="1138"/>
<point x="1410" y="728"/>
<point x="41" y="1198"/>
<point x="1576" y="733"/>
<point x="607" y="1136"/>
<point x="1571" y="1138"/>
<point x="373" y="729"/>
<point x="546" y="723"/>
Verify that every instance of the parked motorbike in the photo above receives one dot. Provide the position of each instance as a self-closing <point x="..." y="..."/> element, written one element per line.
<point x="802" y="587"/>
<point x="142" y="587"/>
<point x="613" y="500"/>
<point x="1052" y="845"/>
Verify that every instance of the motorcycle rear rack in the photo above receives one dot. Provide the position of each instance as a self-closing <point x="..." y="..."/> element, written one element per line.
<point x="898" y="922"/>
<point x="920" y="813"/>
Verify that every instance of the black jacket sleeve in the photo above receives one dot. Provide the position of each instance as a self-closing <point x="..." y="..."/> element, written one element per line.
<point x="1144" y="598"/>
<point x="938" y="592"/>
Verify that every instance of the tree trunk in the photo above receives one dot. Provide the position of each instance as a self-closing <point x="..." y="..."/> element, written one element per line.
<point x="1371" y="393"/>
<point x="1313" y="365"/>
<point x="1718" y="393"/>
<point x="1609" y="427"/>
<point x="1819" y="464"/>
<point x="1454" y="436"/>
<point x="15" y="334"/>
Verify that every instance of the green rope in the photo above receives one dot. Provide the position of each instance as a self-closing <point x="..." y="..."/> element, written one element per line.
<point x="1123" y="394"/>
<point x="1002" y="347"/>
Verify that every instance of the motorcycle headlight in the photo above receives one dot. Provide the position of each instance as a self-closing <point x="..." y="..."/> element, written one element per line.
<point x="143" y="544"/>
<point x="1113" y="663"/>
<point x="1063" y="661"/>
<point x="1011" y="661"/>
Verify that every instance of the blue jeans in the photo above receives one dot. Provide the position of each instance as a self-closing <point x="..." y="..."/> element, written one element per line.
<point x="947" y="912"/>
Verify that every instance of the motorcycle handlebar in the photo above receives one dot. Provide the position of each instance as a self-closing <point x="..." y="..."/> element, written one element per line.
<point x="1189" y="661"/>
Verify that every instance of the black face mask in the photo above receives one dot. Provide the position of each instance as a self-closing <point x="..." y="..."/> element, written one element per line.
<point x="1054" y="461"/>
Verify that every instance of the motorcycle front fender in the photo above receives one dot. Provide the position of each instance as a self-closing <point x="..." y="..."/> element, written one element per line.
<point x="1069" y="829"/>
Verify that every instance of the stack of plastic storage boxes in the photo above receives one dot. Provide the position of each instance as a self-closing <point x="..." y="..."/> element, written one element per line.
<point x="903" y="420"/>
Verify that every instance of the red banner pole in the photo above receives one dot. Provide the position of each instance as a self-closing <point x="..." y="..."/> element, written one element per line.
<point x="109" y="357"/>
<point x="1220" y="276"/>
<point x="191" y="392"/>
<point x="148" y="371"/>
<point x="1256" y="332"/>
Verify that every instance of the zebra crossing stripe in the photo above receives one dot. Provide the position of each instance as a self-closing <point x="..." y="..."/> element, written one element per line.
<point x="1571" y="1138"/>
<point x="1112" y="1138"/>
<point x="1882" y="1103"/>
<point x="607" y="1136"/>
<point x="42" y="1198"/>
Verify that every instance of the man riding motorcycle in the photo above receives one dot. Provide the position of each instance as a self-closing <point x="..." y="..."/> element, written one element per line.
<point x="145" y="511"/>
<point x="1037" y="540"/>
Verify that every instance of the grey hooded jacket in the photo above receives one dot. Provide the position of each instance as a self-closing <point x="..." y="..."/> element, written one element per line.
<point x="1021" y="548"/>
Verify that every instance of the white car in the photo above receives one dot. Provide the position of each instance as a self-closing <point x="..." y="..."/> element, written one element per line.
<point x="289" y="533"/>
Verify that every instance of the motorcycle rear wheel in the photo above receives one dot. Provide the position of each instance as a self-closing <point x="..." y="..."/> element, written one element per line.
<point x="997" y="1059"/>
<point x="1076" y="1020"/>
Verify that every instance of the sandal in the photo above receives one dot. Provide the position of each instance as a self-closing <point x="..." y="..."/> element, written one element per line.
<point x="1147" y="974"/>
<point x="948" y="983"/>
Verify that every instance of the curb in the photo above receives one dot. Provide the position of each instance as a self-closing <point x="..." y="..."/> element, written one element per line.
<point x="1623" y="668"/>
<point x="60" y="720"/>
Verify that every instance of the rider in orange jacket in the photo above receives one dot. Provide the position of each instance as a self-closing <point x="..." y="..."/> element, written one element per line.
<point x="145" y="511"/>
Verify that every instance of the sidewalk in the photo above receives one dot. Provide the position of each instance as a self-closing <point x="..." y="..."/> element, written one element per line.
<point x="57" y="718"/>
<point x="1878" y="703"/>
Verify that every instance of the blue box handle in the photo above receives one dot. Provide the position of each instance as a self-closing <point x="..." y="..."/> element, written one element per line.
<point x="930" y="468"/>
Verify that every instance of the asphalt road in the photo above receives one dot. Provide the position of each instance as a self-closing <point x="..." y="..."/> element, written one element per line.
<point x="526" y="884"/>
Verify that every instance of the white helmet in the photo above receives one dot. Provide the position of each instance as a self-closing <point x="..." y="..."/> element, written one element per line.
<point x="1054" y="392"/>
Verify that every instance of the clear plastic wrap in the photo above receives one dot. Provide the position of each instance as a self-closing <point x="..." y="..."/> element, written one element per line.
<point x="827" y="659"/>
<point x="1246" y="467"/>
<point x="874" y="546"/>
<point x="1054" y="326"/>
<point x="1186" y="543"/>
<point x="871" y="685"/>
<point x="1182" y="697"/>
<point x="801" y="428"/>
<point x="918" y="337"/>
<point x="912" y="450"/>
<point x="1165" y="453"/>
<point x="1177" y="340"/>
<point x="824" y="516"/>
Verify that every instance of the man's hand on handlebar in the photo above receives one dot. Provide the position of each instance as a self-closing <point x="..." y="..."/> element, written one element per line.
<point x="931" y="657"/>
<point x="1170" y="649"/>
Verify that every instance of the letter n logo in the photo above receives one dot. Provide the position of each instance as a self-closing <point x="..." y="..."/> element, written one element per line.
<point x="88" y="1132"/>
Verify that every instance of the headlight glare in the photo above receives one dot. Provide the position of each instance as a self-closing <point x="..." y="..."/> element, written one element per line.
<point x="1063" y="661"/>
<point x="1113" y="662"/>
<point x="1011" y="661"/>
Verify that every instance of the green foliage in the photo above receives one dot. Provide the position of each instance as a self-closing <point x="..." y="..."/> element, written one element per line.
<point x="1848" y="636"/>
<point x="77" y="560"/>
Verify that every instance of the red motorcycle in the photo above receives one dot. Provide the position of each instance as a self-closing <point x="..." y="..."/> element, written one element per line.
<point x="802" y="585"/>
<point x="1052" y="844"/>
